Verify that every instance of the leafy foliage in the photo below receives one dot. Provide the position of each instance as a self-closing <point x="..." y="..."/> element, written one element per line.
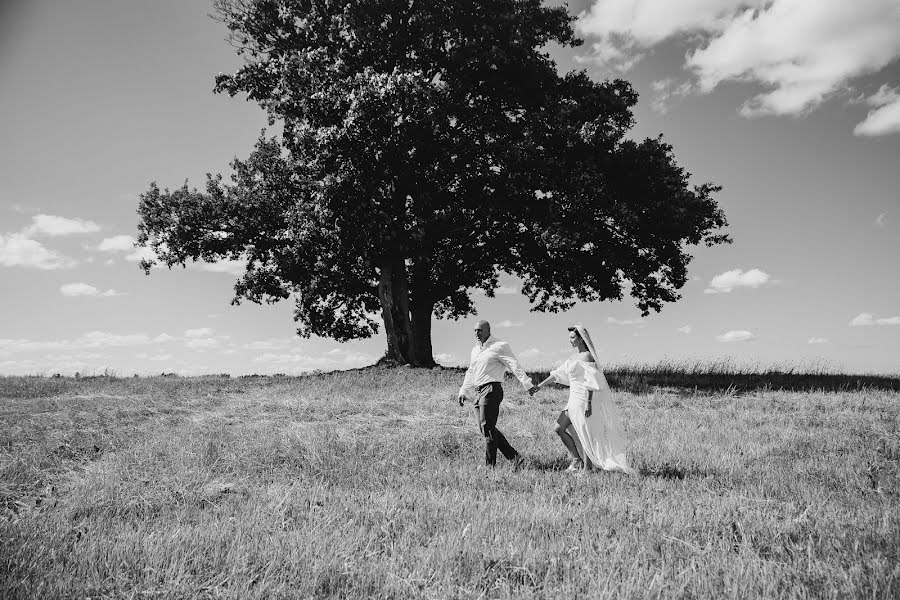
<point x="426" y="148"/>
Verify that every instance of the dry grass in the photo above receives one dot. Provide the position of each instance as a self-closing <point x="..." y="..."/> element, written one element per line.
<point x="364" y="484"/>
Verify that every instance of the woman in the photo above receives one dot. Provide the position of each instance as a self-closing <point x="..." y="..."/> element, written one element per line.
<point x="591" y="413"/>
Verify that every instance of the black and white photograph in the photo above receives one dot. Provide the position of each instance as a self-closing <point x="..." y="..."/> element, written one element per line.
<point x="472" y="300"/>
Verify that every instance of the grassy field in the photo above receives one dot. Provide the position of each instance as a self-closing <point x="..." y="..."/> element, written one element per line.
<point x="365" y="484"/>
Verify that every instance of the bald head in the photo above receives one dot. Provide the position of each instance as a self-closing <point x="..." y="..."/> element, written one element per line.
<point x="482" y="331"/>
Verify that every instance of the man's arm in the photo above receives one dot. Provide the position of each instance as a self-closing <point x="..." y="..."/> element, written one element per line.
<point x="467" y="383"/>
<point x="507" y="357"/>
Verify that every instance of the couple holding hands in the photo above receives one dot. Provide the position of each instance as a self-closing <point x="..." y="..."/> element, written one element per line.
<point x="589" y="426"/>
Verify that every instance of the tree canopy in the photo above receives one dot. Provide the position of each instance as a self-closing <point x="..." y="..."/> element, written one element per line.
<point x="426" y="148"/>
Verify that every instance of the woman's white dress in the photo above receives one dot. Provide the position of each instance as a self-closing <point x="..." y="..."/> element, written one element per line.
<point x="599" y="436"/>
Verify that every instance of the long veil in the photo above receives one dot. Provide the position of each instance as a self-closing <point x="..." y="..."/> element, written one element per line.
<point x="583" y="332"/>
<point x="603" y="431"/>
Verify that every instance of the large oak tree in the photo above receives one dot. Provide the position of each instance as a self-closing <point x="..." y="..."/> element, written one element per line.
<point x="426" y="148"/>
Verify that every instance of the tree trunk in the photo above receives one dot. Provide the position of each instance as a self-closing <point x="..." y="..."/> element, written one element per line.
<point x="408" y="332"/>
<point x="420" y="347"/>
<point x="421" y="309"/>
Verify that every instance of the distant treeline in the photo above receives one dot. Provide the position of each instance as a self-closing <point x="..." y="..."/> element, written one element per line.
<point x="718" y="378"/>
<point x="727" y="378"/>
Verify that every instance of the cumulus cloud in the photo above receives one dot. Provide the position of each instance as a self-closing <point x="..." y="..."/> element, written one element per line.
<point x="270" y="344"/>
<point x="199" y="333"/>
<point x="665" y="90"/>
<point x="18" y="250"/>
<point x="507" y="323"/>
<point x="729" y="280"/>
<point x="868" y="319"/>
<point x="139" y="254"/>
<point x="116" y="243"/>
<point x="84" y="289"/>
<point x="817" y="340"/>
<point x="202" y="343"/>
<point x="801" y="52"/>
<point x="298" y="363"/>
<point x="233" y="267"/>
<point x="500" y="290"/>
<point x="881" y="220"/>
<point x="736" y="336"/>
<point x="506" y="290"/>
<point x="530" y="353"/>
<point x="685" y="329"/>
<point x="21" y="249"/>
<point x="445" y="358"/>
<point x="885" y="116"/>
<point x="203" y="338"/>
<point x="51" y="225"/>
<point x="155" y="357"/>
<point x="89" y="340"/>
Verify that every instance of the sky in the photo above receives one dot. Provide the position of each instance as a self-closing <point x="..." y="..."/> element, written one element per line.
<point x="792" y="106"/>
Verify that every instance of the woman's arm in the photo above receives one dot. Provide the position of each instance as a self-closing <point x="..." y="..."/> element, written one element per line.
<point x="550" y="379"/>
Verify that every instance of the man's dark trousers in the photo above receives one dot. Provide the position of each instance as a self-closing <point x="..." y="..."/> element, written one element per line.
<point x="487" y="408"/>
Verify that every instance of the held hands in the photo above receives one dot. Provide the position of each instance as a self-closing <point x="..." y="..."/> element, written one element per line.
<point x="587" y="411"/>
<point x="534" y="390"/>
<point x="461" y="399"/>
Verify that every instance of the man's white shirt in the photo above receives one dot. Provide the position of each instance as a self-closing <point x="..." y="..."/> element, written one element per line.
<point x="488" y="363"/>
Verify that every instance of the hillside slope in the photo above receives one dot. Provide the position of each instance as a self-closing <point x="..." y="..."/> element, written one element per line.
<point x="366" y="484"/>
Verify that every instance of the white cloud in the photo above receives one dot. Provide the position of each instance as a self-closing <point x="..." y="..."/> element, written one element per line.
<point x="234" y="267"/>
<point x="199" y="333"/>
<point x="645" y="23"/>
<point x="91" y="339"/>
<point x="530" y="353"/>
<point x="507" y="323"/>
<point x="801" y="51"/>
<point x="18" y="250"/>
<point x="685" y="329"/>
<point x="867" y="319"/>
<point x="155" y="357"/>
<point x="100" y="339"/>
<point x="84" y="289"/>
<point x="202" y="343"/>
<point x="736" y="336"/>
<point x="270" y="344"/>
<point x="881" y="220"/>
<point x="444" y="358"/>
<point x="665" y="90"/>
<point x="163" y="338"/>
<point x="298" y="363"/>
<point x="78" y="289"/>
<point x="56" y="226"/>
<point x="729" y="280"/>
<point x="117" y="243"/>
<point x="349" y="357"/>
<point x="615" y="321"/>
<point x="884" y="119"/>
<point x="506" y="290"/>
<point x="142" y="253"/>
<point x="817" y="340"/>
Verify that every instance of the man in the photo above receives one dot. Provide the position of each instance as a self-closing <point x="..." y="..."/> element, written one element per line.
<point x="489" y="361"/>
